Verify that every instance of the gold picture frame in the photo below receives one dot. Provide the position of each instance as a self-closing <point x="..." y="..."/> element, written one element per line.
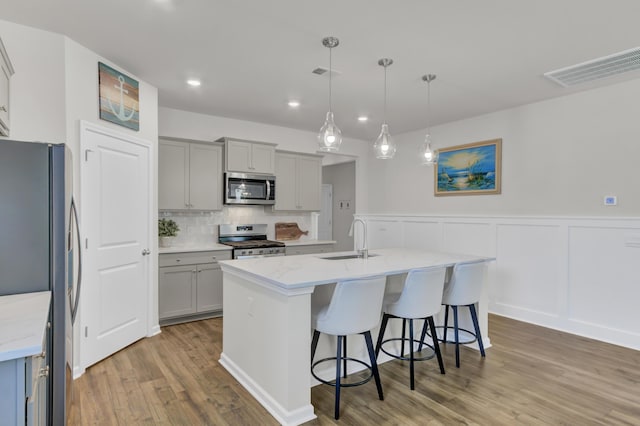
<point x="470" y="169"/>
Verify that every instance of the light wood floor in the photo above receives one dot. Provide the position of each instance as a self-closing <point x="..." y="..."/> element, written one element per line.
<point x="531" y="375"/>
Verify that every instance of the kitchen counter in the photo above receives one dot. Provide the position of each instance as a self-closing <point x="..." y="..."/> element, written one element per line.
<point x="293" y="243"/>
<point x="23" y="323"/>
<point x="193" y="248"/>
<point x="267" y="324"/>
<point x="314" y="269"/>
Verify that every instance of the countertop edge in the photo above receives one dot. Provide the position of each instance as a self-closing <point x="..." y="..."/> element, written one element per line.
<point x="187" y="249"/>
<point x="291" y="243"/>
<point x="27" y="318"/>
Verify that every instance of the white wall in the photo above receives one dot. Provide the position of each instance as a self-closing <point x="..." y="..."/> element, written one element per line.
<point x="37" y="97"/>
<point x="54" y="87"/>
<point x="559" y="157"/>
<point x="568" y="273"/>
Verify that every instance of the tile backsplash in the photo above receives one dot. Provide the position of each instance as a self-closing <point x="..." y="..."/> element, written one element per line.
<point x="197" y="228"/>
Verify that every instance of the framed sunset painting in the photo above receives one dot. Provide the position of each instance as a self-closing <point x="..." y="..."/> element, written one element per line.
<point x="470" y="169"/>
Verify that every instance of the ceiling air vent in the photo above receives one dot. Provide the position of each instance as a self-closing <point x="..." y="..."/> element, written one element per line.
<point x="596" y="69"/>
<point x="325" y="72"/>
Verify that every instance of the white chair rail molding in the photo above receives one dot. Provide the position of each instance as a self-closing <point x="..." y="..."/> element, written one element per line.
<point x="575" y="274"/>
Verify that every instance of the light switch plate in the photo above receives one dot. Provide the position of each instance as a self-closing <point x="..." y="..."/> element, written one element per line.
<point x="610" y="200"/>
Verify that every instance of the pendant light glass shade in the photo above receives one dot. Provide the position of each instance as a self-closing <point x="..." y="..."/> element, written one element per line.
<point x="428" y="155"/>
<point x="330" y="136"/>
<point x="384" y="146"/>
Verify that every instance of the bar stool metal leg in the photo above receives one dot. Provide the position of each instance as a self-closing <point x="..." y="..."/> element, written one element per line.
<point x="374" y="364"/>
<point x="344" y="358"/>
<point x="314" y="343"/>
<point x="411" y="370"/>
<point x="338" y="359"/>
<point x="404" y="328"/>
<point x="476" y="326"/>
<point x="383" y="327"/>
<point x="457" y="334"/>
<point x="446" y="323"/>
<point x="434" y="337"/>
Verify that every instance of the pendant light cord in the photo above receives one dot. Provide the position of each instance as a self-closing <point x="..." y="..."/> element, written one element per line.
<point x="384" y="114"/>
<point x="330" y="68"/>
<point x="429" y="107"/>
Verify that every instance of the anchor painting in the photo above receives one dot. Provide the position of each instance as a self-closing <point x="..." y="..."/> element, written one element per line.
<point x="118" y="97"/>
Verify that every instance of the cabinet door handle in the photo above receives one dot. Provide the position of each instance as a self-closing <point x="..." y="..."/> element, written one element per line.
<point x="146" y="252"/>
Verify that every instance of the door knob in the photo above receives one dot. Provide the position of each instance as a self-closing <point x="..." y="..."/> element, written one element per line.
<point x="146" y="252"/>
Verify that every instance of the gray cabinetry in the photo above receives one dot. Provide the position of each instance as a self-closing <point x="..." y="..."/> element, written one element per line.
<point x="309" y="249"/>
<point x="23" y="386"/>
<point x="189" y="176"/>
<point x="249" y="156"/>
<point x="298" y="181"/>
<point x="6" y="71"/>
<point x="190" y="285"/>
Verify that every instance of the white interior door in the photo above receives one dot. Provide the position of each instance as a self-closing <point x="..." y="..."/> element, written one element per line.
<point x="325" y="221"/>
<point x="115" y="173"/>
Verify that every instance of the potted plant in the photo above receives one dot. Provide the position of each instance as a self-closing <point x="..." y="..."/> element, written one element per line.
<point x="167" y="229"/>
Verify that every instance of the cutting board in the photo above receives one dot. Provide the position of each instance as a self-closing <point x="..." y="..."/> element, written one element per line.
<point x="286" y="231"/>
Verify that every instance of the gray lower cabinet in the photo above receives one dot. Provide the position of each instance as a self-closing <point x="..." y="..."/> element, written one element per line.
<point x="23" y="386"/>
<point x="190" y="286"/>
<point x="309" y="249"/>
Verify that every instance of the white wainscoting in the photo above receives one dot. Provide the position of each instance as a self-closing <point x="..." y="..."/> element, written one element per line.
<point x="580" y="275"/>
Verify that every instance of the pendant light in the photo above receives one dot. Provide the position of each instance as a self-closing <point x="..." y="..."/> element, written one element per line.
<point x="384" y="146"/>
<point x="330" y="136"/>
<point x="428" y="154"/>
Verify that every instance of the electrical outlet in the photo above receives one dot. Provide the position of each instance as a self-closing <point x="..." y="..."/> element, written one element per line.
<point x="610" y="200"/>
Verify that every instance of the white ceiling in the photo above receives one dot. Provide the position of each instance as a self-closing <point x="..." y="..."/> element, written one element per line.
<point x="254" y="55"/>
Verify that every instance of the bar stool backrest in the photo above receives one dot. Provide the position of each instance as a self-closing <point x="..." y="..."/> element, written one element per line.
<point x="355" y="307"/>
<point x="421" y="295"/>
<point x="465" y="286"/>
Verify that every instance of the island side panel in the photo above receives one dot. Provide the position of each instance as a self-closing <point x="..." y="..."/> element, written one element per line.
<point x="266" y="341"/>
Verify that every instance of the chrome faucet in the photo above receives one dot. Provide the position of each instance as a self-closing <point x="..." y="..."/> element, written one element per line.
<point x="364" y="251"/>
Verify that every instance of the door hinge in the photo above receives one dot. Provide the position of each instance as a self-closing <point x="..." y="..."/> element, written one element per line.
<point x="86" y="154"/>
<point x="86" y="332"/>
<point x="86" y="243"/>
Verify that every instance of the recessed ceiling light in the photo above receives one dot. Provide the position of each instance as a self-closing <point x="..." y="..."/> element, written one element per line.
<point x="363" y="118"/>
<point x="294" y="104"/>
<point x="194" y="83"/>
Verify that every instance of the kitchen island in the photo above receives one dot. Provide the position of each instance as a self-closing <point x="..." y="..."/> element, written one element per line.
<point x="267" y="322"/>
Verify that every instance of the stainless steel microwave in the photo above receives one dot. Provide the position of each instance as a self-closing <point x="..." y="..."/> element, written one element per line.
<point x="247" y="189"/>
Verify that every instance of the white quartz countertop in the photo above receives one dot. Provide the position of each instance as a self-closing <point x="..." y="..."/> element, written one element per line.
<point x="193" y="248"/>
<point x="290" y="243"/>
<point x="290" y="272"/>
<point x="23" y="323"/>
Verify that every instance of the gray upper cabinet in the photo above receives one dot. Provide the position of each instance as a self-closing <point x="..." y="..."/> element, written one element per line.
<point x="298" y="181"/>
<point x="6" y="71"/>
<point x="189" y="176"/>
<point x="249" y="156"/>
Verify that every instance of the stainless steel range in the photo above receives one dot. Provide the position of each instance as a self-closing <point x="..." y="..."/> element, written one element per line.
<point x="249" y="241"/>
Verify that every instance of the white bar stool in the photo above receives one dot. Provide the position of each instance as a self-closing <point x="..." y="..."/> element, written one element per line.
<point x="463" y="289"/>
<point x="354" y="308"/>
<point x="421" y="298"/>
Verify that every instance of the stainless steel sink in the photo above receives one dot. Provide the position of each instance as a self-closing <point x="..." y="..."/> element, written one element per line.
<point x="346" y="256"/>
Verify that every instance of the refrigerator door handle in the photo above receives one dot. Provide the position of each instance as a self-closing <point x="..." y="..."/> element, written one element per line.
<point x="75" y="303"/>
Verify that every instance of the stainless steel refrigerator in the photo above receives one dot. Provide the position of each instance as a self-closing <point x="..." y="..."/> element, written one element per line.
<point x="38" y="233"/>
